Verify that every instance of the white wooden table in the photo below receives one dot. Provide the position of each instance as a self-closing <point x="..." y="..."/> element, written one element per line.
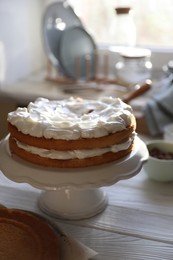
<point x="137" y="223"/>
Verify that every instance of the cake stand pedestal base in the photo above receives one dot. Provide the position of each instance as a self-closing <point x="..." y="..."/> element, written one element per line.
<point x="71" y="203"/>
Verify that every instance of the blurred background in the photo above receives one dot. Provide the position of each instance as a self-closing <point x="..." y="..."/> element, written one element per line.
<point x="21" y="33"/>
<point x="22" y="50"/>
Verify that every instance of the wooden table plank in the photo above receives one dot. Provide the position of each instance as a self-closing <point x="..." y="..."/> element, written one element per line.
<point x="139" y="223"/>
<point x="141" y="193"/>
<point x="113" y="246"/>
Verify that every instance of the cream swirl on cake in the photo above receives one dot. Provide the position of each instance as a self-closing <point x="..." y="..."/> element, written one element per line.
<point x="72" y="118"/>
<point x="73" y="132"/>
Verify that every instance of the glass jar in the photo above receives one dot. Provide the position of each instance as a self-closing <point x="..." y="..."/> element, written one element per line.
<point x="134" y="66"/>
<point x="123" y="29"/>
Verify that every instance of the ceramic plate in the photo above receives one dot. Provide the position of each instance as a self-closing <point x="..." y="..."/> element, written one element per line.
<point x="76" y="53"/>
<point x="57" y="17"/>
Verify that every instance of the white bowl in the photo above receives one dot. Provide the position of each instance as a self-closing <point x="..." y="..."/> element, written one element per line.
<point x="159" y="169"/>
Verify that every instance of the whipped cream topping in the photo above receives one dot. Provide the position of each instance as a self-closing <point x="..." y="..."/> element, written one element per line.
<point x="72" y="118"/>
<point x="80" y="154"/>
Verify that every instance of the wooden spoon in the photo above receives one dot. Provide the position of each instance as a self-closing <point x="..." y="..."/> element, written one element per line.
<point x="139" y="90"/>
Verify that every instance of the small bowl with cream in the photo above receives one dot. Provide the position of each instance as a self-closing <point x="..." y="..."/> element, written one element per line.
<point x="159" y="166"/>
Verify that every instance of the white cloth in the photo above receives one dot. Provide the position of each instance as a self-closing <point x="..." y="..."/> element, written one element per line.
<point x="159" y="111"/>
<point x="74" y="250"/>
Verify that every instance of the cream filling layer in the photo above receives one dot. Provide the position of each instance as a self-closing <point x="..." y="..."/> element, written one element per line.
<point x="80" y="154"/>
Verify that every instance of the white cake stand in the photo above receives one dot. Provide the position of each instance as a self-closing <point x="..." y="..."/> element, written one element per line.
<point x="72" y="193"/>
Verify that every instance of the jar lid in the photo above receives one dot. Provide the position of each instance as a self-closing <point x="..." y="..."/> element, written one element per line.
<point x="122" y="10"/>
<point x="135" y="53"/>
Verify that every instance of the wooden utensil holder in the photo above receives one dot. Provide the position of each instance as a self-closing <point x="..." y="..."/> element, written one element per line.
<point x="101" y="71"/>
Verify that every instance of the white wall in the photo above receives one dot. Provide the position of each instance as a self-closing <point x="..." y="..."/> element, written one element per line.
<point x="20" y="35"/>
